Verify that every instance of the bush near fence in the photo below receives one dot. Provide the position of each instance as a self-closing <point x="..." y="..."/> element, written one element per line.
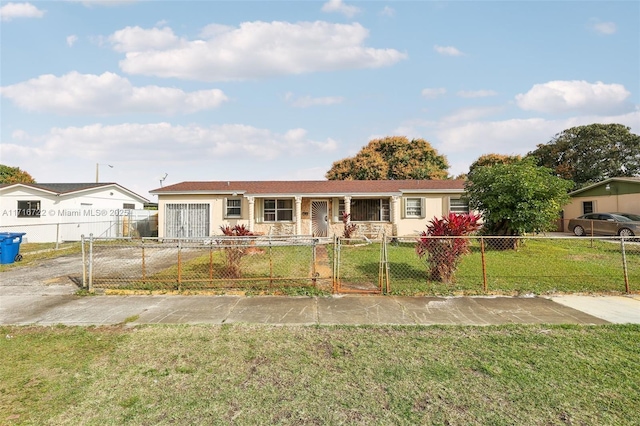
<point x="306" y="265"/>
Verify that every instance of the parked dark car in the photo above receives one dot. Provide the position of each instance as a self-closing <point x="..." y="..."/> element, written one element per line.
<point x="623" y="224"/>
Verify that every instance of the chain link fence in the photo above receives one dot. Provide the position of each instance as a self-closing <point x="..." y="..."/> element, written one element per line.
<point x="252" y="263"/>
<point x="135" y="223"/>
<point x="308" y="265"/>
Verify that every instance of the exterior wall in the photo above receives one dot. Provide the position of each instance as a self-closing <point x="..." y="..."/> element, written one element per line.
<point x="93" y="211"/>
<point x="186" y="199"/>
<point x="627" y="203"/>
<point x="434" y="205"/>
<point x="609" y="196"/>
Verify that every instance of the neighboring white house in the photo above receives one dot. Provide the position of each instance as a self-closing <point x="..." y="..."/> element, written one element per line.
<point x="55" y="212"/>
<point x="392" y="207"/>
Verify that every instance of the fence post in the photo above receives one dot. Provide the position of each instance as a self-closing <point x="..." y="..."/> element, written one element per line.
<point x="90" y="262"/>
<point x="84" y="263"/>
<point x="179" y="264"/>
<point x="383" y="270"/>
<point x="270" y="262"/>
<point x="624" y="266"/>
<point x="57" y="235"/>
<point x="485" y="287"/>
<point x="314" y="272"/>
<point x="211" y="264"/>
<point x="336" y="262"/>
<point x="144" y="269"/>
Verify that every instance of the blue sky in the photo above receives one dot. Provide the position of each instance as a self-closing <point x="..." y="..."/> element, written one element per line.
<point x="268" y="90"/>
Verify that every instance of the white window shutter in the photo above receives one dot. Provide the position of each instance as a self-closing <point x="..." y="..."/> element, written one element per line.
<point x="423" y="208"/>
<point x="335" y="206"/>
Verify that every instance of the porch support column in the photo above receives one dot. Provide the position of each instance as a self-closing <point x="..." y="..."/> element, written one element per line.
<point x="395" y="214"/>
<point x="347" y="207"/>
<point x="252" y="210"/>
<point x="298" y="199"/>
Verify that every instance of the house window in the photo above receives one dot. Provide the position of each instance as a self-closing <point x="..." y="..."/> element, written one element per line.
<point x="28" y="208"/>
<point x="458" y="205"/>
<point x="413" y="207"/>
<point x="234" y="207"/>
<point x="128" y="206"/>
<point x="370" y="210"/>
<point x="276" y="210"/>
<point x="587" y="207"/>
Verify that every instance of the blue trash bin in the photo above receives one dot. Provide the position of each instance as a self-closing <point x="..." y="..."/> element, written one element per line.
<point x="10" y="247"/>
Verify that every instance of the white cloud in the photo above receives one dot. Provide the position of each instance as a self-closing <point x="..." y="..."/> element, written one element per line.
<point x="463" y="142"/>
<point x="136" y="39"/>
<point x="447" y="50"/>
<point x="163" y="141"/>
<point x="11" y="11"/>
<point x="340" y="7"/>
<point x="605" y="28"/>
<point x="308" y="101"/>
<point x="476" y="93"/>
<point x="577" y="96"/>
<point x="471" y="114"/>
<point x="387" y="11"/>
<point x="71" y="40"/>
<point x="432" y="93"/>
<point x="252" y="50"/>
<point x="105" y="94"/>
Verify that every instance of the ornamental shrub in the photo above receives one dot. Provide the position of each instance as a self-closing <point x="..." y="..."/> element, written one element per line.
<point x="349" y="227"/>
<point x="237" y="247"/>
<point x="442" y="246"/>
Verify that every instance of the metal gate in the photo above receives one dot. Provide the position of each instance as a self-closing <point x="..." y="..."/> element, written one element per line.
<point x="186" y="220"/>
<point x="356" y="280"/>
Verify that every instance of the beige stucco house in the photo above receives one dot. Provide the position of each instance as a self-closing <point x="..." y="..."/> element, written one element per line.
<point x="390" y="207"/>
<point x="619" y="194"/>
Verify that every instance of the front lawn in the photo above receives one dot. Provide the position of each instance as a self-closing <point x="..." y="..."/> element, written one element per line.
<point x="538" y="266"/>
<point x="253" y="374"/>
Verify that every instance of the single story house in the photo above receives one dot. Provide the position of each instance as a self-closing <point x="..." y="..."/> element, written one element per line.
<point x="392" y="207"/>
<point x="618" y="194"/>
<point x="55" y="212"/>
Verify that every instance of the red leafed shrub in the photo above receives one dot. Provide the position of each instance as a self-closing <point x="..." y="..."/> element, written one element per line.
<point x="237" y="247"/>
<point x="349" y="228"/>
<point x="443" y="254"/>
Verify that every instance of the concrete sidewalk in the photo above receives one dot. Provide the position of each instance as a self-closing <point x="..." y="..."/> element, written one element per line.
<point x="57" y="305"/>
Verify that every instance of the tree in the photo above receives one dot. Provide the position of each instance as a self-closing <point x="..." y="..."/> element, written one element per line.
<point x="493" y="159"/>
<point x="14" y="175"/>
<point x="592" y="153"/>
<point x="517" y="198"/>
<point x="392" y="157"/>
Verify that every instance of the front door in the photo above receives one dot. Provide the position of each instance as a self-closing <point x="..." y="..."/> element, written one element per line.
<point x="319" y="218"/>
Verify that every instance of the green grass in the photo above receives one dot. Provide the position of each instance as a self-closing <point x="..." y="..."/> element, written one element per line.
<point x="538" y="266"/>
<point x="282" y="269"/>
<point x="252" y="374"/>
